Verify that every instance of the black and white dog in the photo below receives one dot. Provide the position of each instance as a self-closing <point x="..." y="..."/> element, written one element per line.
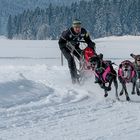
<point x="104" y="74"/>
<point x="127" y="74"/>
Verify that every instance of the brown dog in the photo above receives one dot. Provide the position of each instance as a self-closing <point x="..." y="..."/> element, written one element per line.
<point x="127" y="74"/>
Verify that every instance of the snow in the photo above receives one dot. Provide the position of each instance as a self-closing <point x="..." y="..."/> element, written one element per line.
<point x="38" y="100"/>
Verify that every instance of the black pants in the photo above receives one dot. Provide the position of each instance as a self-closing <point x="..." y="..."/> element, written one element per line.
<point x="71" y="63"/>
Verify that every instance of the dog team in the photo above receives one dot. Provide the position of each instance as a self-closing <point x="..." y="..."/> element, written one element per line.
<point x="105" y="74"/>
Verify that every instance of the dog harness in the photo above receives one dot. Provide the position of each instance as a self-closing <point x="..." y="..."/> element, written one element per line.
<point x="120" y="71"/>
<point x="105" y="72"/>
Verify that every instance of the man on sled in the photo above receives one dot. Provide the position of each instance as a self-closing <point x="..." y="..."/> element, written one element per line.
<point x="69" y="45"/>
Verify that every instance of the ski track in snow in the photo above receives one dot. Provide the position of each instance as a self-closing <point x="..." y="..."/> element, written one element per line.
<point x="39" y="102"/>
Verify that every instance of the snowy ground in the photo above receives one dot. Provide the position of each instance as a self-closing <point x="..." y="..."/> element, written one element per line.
<point x="38" y="101"/>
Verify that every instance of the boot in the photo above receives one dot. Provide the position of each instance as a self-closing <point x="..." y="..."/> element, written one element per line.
<point x="75" y="79"/>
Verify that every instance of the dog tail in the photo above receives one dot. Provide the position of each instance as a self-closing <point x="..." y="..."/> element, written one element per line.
<point x="133" y="55"/>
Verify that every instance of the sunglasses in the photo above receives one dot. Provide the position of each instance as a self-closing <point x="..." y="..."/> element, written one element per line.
<point x="138" y="60"/>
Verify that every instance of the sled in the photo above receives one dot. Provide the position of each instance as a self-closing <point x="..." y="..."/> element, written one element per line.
<point x="85" y="67"/>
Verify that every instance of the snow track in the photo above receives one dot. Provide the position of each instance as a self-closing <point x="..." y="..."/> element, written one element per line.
<point x="42" y="106"/>
<point x="38" y="101"/>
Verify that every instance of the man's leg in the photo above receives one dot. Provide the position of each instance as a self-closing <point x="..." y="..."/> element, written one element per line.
<point x="71" y="64"/>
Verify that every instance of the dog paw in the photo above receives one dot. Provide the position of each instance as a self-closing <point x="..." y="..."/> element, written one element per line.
<point x="127" y="98"/>
<point x="138" y="93"/>
<point x="121" y="93"/>
<point x="133" y="92"/>
<point x="105" y="95"/>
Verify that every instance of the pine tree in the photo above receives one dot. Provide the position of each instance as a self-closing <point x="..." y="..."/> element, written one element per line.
<point x="9" y="28"/>
<point x="100" y="17"/>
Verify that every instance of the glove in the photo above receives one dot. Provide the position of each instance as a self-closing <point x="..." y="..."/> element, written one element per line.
<point x="70" y="46"/>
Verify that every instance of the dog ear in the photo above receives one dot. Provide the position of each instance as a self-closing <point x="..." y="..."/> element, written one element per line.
<point x="100" y="56"/>
<point x="120" y="65"/>
<point x="133" y="55"/>
<point x="137" y="57"/>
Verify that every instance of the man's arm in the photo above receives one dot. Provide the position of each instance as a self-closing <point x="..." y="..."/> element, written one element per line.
<point x="63" y="39"/>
